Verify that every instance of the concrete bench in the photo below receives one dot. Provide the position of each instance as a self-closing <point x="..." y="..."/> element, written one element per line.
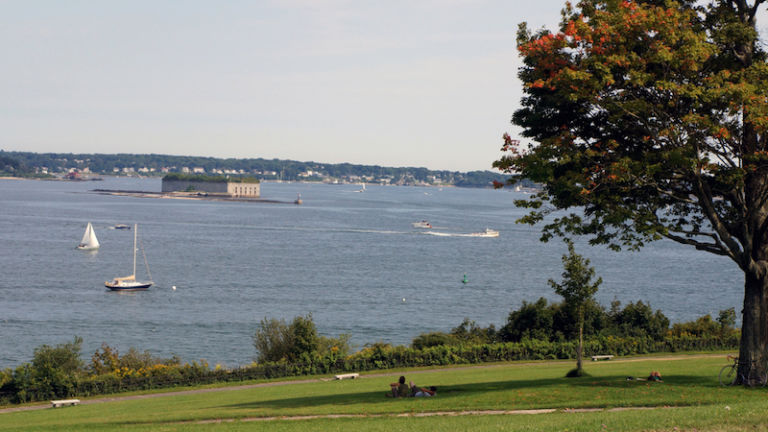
<point x="64" y="402"/>
<point x="601" y="357"/>
<point x="347" y="376"/>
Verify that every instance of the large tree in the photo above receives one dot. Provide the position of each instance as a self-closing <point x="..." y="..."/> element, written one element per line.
<point x="650" y="120"/>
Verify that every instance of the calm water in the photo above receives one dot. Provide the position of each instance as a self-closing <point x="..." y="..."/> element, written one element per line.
<point x="348" y="258"/>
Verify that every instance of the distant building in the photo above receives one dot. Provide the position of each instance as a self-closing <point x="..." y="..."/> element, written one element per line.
<point x="236" y="187"/>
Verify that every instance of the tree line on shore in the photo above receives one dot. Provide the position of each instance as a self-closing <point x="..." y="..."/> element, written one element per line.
<point x="28" y="164"/>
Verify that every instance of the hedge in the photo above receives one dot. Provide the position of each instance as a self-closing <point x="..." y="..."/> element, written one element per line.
<point x="23" y="385"/>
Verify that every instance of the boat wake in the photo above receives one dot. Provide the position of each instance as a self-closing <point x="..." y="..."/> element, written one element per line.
<point x="487" y="233"/>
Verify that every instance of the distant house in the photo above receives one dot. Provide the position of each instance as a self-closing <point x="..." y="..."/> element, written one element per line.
<point x="236" y="186"/>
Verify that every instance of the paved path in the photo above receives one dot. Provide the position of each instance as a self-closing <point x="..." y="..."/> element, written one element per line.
<point x="426" y="414"/>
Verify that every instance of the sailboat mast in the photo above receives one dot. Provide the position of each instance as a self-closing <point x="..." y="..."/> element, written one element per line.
<point x="135" y="235"/>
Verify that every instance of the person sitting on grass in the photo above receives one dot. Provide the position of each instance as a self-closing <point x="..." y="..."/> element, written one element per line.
<point x="399" y="389"/>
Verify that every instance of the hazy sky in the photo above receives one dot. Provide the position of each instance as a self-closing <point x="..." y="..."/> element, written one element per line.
<point x="396" y="83"/>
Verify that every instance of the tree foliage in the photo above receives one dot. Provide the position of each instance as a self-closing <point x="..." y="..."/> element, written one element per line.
<point x="651" y="117"/>
<point x="576" y="287"/>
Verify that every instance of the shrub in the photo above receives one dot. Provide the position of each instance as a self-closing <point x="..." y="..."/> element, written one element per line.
<point x="303" y="341"/>
<point x="297" y="342"/>
<point x="702" y="327"/>
<point x="531" y="321"/>
<point x="426" y="340"/>
<point x="272" y="340"/>
<point x="338" y="347"/>
<point x="637" y="319"/>
<point x="469" y="332"/>
<point x="54" y="369"/>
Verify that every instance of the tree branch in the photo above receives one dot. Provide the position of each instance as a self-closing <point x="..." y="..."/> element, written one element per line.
<point x="708" y="247"/>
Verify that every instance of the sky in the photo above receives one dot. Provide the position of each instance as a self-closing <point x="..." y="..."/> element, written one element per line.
<point x="418" y="83"/>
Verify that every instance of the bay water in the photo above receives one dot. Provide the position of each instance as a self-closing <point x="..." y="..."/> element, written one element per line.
<point x="351" y="259"/>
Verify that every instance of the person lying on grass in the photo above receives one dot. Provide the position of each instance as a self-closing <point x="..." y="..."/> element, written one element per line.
<point x="423" y="391"/>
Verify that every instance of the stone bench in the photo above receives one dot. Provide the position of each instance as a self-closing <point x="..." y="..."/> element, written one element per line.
<point x="347" y="376"/>
<point x="64" y="402"/>
<point x="601" y="357"/>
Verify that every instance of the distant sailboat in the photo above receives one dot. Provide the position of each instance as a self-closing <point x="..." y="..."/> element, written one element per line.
<point x="129" y="283"/>
<point x="89" y="241"/>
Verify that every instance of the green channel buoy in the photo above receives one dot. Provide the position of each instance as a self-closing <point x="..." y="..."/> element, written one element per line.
<point x="465" y="280"/>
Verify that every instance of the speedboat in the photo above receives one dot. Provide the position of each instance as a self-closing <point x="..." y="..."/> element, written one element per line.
<point x="422" y="224"/>
<point x="487" y="233"/>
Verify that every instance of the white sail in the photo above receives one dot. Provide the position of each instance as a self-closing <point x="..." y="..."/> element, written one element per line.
<point x="89" y="240"/>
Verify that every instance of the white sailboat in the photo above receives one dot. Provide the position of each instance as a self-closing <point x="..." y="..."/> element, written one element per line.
<point x="89" y="241"/>
<point x="129" y="283"/>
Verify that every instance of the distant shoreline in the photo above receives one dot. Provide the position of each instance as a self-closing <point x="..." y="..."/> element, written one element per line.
<point x="54" y="179"/>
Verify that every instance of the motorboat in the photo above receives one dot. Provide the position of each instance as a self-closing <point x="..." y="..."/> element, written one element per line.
<point x="422" y="224"/>
<point x="487" y="233"/>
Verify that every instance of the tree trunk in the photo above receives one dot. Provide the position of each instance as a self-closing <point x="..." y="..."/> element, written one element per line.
<point x="581" y="341"/>
<point x="754" y="328"/>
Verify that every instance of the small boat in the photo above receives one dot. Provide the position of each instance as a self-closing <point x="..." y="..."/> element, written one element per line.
<point x="129" y="283"/>
<point x="422" y="224"/>
<point x="122" y="227"/>
<point x="362" y="189"/>
<point x="89" y="241"/>
<point x="487" y="233"/>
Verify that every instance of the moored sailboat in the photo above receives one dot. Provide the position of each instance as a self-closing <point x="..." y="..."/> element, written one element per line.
<point x="89" y="241"/>
<point x="129" y="283"/>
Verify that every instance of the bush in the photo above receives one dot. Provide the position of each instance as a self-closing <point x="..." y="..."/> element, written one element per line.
<point x="637" y="319"/>
<point x="554" y="322"/>
<point x="426" y="340"/>
<point x="334" y="348"/>
<point x="303" y="341"/>
<point x="469" y="332"/>
<point x="702" y="327"/>
<point x="272" y="340"/>
<point x="55" y="369"/>
<point x="531" y="321"/>
<point x="297" y="342"/>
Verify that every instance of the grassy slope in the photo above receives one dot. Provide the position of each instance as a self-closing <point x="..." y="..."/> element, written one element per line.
<point x="690" y="386"/>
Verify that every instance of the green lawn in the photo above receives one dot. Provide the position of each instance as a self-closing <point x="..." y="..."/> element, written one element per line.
<point x="689" y="398"/>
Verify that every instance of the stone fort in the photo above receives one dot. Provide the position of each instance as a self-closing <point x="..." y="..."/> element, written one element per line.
<point x="235" y="187"/>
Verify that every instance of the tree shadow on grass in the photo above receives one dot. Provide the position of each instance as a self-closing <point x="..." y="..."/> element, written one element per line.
<point x="447" y="392"/>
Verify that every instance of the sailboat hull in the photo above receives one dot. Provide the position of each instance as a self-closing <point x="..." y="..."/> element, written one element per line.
<point x="128" y="286"/>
